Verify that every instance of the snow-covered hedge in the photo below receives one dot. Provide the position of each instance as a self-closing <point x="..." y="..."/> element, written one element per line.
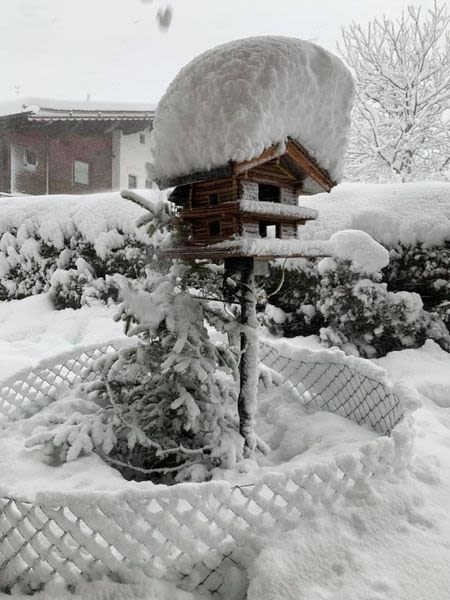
<point x="407" y="303"/>
<point x="74" y="246"/>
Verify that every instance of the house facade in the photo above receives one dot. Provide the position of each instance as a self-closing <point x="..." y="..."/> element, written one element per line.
<point x="49" y="147"/>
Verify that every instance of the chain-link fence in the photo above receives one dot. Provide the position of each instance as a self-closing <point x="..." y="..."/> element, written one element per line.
<point x="350" y="387"/>
<point x="192" y="534"/>
<point x="25" y="393"/>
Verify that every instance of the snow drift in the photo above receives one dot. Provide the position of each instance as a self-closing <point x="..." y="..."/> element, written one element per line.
<point x="233" y="101"/>
<point x="402" y="213"/>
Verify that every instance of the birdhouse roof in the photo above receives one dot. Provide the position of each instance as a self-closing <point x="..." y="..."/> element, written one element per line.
<point x="235" y="102"/>
<point x="292" y="156"/>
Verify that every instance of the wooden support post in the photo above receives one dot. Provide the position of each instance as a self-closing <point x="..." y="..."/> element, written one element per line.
<point x="248" y="366"/>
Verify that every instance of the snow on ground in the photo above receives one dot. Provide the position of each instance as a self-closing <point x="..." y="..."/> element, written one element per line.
<point x="141" y="588"/>
<point x="232" y="102"/>
<point x="393" y="539"/>
<point x="31" y="330"/>
<point x="390" y="213"/>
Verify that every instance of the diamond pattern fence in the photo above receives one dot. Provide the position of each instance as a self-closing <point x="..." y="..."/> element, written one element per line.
<point x="197" y="535"/>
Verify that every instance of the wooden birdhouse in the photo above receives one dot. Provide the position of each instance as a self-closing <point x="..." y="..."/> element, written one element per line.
<point x="221" y="209"/>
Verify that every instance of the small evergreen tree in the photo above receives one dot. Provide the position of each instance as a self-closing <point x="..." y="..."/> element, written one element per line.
<point x="163" y="409"/>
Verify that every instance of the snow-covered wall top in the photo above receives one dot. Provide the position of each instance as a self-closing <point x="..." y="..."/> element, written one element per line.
<point x="233" y="101"/>
<point x="405" y="213"/>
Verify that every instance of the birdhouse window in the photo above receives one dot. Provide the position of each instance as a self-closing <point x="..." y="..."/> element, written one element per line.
<point x="214" y="228"/>
<point x="214" y="200"/>
<point x="268" y="193"/>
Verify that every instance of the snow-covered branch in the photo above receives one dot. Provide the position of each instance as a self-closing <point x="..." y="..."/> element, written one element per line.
<point x="402" y="110"/>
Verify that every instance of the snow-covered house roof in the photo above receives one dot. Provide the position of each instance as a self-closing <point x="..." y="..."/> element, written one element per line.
<point x="235" y="101"/>
<point x="41" y="110"/>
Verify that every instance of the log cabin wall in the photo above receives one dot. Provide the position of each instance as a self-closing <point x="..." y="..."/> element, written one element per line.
<point x="272" y="173"/>
<point x="214" y="192"/>
<point x="211" y="230"/>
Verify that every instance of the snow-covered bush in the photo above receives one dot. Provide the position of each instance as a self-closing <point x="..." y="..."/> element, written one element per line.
<point x="362" y="316"/>
<point x="371" y="314"/>
<point x="70" y="246"/>
<point x="165" y="408"/>
<point x="294" y="291"/>
<point x="409" y="220"/>
<point x="424" y="269"/>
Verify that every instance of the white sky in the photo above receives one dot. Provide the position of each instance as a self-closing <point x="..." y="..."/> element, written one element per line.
<point x="113" y="49"/>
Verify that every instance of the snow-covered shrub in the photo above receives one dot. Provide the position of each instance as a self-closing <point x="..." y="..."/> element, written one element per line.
<point x="424" y="269"/>
<point x="363" y="317"/>
<point x="295" y="291"/>
<point x="349" y="304"/>
<point x="165" y="408"/>
<point x="66" y="245"/>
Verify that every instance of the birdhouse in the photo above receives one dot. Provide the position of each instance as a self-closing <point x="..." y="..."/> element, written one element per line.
<point x="224" y="211"/>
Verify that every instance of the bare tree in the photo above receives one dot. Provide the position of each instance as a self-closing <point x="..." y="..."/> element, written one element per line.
<point x="401" y="119"/>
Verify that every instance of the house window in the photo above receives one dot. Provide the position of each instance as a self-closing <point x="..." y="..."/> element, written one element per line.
<point x="268" y="193"/>
<point x="148" y="184"/>
<point x="214" y="200"/>
<point x="142" y="138"/>
<point x="81" y="172"/>
<point x="214" y="228"/>
<point x="132" y="182"/>
<point x="30" y="158"/>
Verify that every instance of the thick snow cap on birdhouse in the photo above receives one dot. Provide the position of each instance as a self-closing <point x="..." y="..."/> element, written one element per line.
<point x="234" y="101"/>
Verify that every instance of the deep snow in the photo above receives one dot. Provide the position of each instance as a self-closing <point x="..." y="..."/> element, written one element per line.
<point x="391" y="540"/>
<point x="390" y="213"/>
<point x="232" y="102"/>
<point x="31" y="330"/>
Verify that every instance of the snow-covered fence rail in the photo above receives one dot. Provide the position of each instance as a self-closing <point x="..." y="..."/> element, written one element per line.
<point x="196" y="535"/>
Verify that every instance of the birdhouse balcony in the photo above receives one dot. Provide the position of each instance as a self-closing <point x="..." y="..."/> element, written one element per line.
<point x="248" y="218"/>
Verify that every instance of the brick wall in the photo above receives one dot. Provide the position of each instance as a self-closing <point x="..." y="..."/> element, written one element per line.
<point x="60" y="153"/>
<point x="96" y="150"/>
<point x="28" y="179"/>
